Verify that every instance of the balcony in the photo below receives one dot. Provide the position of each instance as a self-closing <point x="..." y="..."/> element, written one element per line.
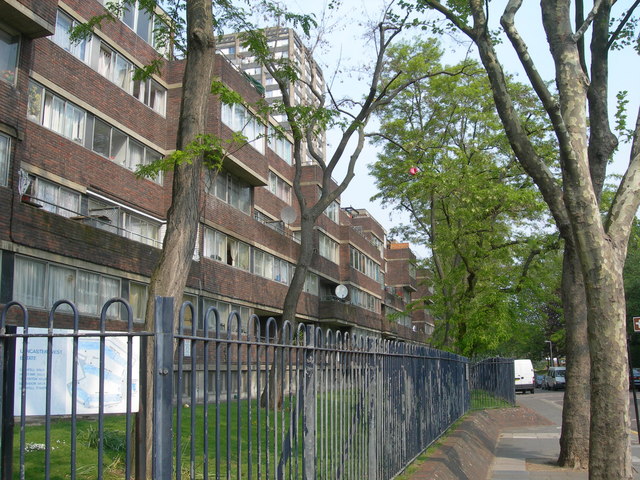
<point x="34" y="19"/>
<point x="333" y="311"/>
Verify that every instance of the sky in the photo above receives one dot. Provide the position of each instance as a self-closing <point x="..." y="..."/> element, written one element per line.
<point x="343" y="49"/>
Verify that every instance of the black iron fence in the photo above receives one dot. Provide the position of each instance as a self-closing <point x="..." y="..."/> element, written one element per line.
<point x="491" y="382"/>
<point x="253" y="401"/>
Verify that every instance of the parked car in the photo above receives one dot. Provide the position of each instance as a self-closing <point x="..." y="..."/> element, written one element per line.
<point x="555" y="378"/>
<point x="634" y="379"/>
<point x="525" y="376"/>
<point x="539" y="380"/>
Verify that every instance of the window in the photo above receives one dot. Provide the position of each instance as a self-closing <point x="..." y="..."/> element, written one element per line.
<point x="41" y="284"/>
<point x="328" y="248"/>
<point x="5" y="144"/>
<point x="123" y="222"/>
<point x="333" y="211"/>
<point x="215" y="245"/>
<point x="189" y="313"/>
<point x="229" y="250"/>
<point x="54" y="198"/>
<point x="140" y="21"/>
<point x="64" y="25"/>
<point x="361" y="262"/>
<point x="365" y="300"/>
<point x="138" y="300"/>
<point x="279" y="187"/>
<point x="8" y="56"/>
<point x="238" y="254"/>
<point x="224" y="310"/>
<point x="277" y="142"/>
<point x="271" y="267"/>
<point x="239" y="119"/>
<point x="56" y="114"/>
<point x="151" y="94"/>
<point x="223" y="315"/>
<point x="311" y="284"/>
<point x="227" y="50"/>
<point x="230" y="189"/>
<point x="111" y="64"/>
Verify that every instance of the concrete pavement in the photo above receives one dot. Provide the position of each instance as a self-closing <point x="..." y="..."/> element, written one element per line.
<point x="530" y="452"/>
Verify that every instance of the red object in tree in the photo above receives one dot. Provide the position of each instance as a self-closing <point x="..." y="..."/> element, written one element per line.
<point x="413" y="170"/>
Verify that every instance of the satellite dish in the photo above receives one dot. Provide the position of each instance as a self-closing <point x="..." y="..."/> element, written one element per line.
<point x="342" y="291"/>
<point x="288" y="215"/>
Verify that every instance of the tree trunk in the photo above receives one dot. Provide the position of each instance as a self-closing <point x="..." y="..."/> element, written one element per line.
<point x="170" y="275"/>
<point x="271" y="396"/>
<point x="574" y="441"/>
<point x="609" y="447"/>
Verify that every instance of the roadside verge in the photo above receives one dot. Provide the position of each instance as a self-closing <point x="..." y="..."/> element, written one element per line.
<point x="467" y="451"/>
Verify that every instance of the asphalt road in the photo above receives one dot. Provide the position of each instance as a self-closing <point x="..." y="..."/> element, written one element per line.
<point x="549" y="404"/>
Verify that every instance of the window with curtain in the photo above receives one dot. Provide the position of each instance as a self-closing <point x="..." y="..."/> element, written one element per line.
<point x="333" y="211"/>
<point x="258" y="262"/>
<point x="138" y="300"/>
<point x="328" y="248"/>
<point x="215" y="245"/>
<point x="240" y="254"/>
<point x="279" y="187"/>
<point x="54" y="198"/>
<point x="64" y="25"/>
<point x="62" y="286"/>
<point x="88" y="297"/>
<point x="231" y="190"/>
<point x="5" y="148"/>
<point x="311" y="284"/>
<point x="74" y="122"/>
<point x="135" y="155"/>
<point x="41" y="284"/>
<point x="239" y="119"/>
<point x="9" y="44"/>
<point x="104" y="61"/>
<point x="29" y="282"/>
<point x="122" y="73"/>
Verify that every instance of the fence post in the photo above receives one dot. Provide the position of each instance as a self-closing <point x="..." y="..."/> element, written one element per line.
<point x="374" y="405"/>
<point x="309" y="407"/>
<point x="163" y="389"/>
<point x="7" y="380"/>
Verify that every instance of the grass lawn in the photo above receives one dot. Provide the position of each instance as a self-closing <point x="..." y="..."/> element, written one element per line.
<point x="255" y="437"/>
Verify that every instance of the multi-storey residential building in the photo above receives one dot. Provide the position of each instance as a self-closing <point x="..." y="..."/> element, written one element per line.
<point x="284" y="43"/>
<point x="77" y="223"/>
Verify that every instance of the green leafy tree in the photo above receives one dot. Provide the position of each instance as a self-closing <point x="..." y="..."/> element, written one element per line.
<point x="470" y="203"/>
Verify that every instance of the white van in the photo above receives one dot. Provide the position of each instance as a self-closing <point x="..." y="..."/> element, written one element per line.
<point x="525" y="376"/>
<point x="555" y="378"/>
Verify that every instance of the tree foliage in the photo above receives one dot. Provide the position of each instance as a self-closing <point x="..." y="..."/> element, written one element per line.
<point x="470" y="202"/>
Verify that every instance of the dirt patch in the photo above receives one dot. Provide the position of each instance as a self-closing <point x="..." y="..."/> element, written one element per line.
<point x="467" y="452"/>
<point x="545" y="464"/>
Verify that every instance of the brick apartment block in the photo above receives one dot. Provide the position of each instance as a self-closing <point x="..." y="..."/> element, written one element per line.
<point x="76" y="222"/>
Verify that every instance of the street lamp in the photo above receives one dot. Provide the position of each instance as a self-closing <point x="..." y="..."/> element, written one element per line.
<point x="551" y="364"/>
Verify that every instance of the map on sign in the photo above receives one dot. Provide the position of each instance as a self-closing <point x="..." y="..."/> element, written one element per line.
<point x="88" y="369"/>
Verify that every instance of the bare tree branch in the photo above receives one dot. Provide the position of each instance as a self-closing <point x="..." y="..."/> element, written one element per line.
<point x="625" y="204"/>
<point x="587" y="22"/>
